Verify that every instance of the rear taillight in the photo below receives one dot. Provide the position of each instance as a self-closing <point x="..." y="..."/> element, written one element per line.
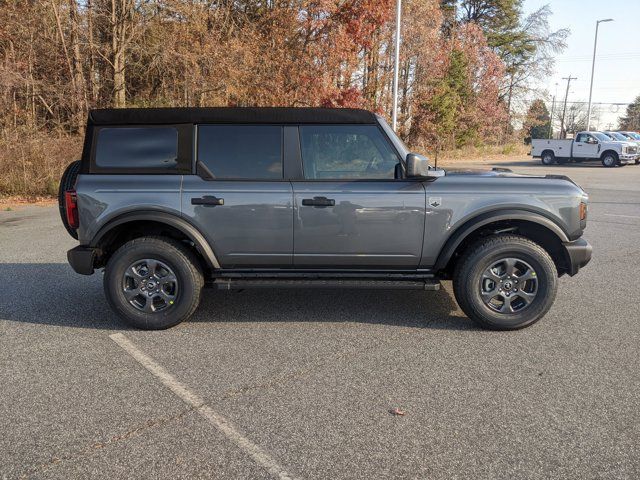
<point x="71" y="207"/>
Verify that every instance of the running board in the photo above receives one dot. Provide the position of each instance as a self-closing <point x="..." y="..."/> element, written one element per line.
<point x="241" y="283"/>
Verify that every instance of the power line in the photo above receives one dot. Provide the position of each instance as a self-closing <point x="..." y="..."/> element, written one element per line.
<point x="601" y="103"/>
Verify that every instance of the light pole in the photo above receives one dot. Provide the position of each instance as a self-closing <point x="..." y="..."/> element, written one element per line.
<point x="394" y="113"/>
<point x="593" y="66"/>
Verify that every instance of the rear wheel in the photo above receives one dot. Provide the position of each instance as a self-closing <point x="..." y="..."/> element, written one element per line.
<point x="505" y="282"/>
<point x="68" y="182"/>
<point x="548" y="158"/>
<point x="153" y="282"/>
<point x="610" y="160"/>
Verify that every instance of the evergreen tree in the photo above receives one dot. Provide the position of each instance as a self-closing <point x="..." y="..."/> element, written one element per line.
<point x="452" y="93"/>
<point x="538" y="122"/>
<point x="631" y="119"/>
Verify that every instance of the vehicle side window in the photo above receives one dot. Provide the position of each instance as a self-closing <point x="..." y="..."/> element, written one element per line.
<point x="582" y="137"/>
<point x="137" y="148"/>
<point x="346" y="152"/>
<point x="249" y="152"/>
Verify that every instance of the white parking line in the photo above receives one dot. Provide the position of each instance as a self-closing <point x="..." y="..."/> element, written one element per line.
<point x="625" y="216"/>
<point x="261" y="457"/>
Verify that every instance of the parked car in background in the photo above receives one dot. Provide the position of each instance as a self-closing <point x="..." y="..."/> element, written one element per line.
<point x="622" y="137"/>
<point x="632" y="135"/>
<point x="170" y="200"/>
<point x="585" y="146"/>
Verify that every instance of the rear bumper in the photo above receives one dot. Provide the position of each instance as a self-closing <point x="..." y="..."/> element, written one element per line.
<point x="579" y="253"/>
<point x="81" y="259"/>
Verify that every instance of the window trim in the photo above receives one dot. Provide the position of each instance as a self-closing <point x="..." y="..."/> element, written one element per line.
<point x="282" y="151"/>
<point x="387" y="140"/>
<point x="184" y="148"/>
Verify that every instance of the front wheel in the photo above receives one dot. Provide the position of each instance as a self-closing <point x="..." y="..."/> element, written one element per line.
<point x="610" y="160"/>
<point x="153" y="282"/>
<point x="505" y="282"/>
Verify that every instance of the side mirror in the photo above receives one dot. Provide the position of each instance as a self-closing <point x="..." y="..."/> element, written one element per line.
<point x="418" y="167"/>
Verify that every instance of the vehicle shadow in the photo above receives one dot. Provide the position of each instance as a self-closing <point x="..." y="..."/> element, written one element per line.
<point x="52" y="294"/>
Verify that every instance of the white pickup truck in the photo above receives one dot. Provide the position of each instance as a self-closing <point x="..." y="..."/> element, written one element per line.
<point x="585" y="146"/>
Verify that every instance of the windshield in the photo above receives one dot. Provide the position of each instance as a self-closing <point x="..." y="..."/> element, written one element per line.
<point x="601" y="136"/>
<point x="617" y="136"/>
<point x="633" y="135"/>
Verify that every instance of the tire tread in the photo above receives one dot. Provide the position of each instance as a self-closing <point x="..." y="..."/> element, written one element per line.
<point x="467" y="262"/>
<point x="180" y="253"/>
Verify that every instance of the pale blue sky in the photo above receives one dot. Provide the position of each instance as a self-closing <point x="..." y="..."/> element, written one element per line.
<point x="617" y="73"/>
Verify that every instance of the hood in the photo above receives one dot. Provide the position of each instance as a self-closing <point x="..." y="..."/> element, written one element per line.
<point x="488" y="172"/>
<point x="502" y="172"/>
<point x="624" y="143"/>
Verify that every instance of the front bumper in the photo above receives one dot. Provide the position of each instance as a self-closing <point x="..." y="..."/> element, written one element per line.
<point x="81" y="259"/>
<point x="579" y="254"/>
<point x="630" y="158"/>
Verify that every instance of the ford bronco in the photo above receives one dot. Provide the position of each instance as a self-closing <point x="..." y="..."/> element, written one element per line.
<point x="169" y="201"/>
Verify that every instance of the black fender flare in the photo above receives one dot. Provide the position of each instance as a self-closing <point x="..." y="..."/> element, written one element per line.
<point x="473" y="224"/>
<point x="189" y="230"/>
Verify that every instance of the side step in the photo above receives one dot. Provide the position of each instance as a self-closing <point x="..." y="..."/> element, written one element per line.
<point x="240" y="283"/>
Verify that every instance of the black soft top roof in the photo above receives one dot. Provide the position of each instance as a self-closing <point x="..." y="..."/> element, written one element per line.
<point x="161" y="116"/>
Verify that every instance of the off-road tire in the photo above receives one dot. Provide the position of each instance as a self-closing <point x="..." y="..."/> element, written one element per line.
<point x="480" y="256"/>
<point x="67" y="182"/>
<point x="178" y="257"/>
<point x="610" y="160"/>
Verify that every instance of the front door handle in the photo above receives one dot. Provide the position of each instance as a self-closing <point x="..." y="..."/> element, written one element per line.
<point x="318" y="202"/>
<point x="207" y="201"/>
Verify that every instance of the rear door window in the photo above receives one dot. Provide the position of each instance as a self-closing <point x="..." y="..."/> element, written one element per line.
<point x="137" y="148"/>
<point x="346" y="152"/>
<point x="241" y="152"/>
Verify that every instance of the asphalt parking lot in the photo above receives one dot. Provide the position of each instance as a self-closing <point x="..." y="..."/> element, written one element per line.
<point x="299" y="384"/>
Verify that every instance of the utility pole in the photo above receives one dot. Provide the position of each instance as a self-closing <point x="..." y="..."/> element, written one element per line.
<point x="396" y="66"/>
<point x="593" y="66"/>
<point x="553" y="107"/>
<point x="563" y="132"/>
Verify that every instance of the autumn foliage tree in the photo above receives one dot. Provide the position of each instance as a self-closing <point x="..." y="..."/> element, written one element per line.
<point x="59" y="58"/>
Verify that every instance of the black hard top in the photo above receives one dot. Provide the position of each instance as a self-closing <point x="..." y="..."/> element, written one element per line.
<point x="280" y="115"/>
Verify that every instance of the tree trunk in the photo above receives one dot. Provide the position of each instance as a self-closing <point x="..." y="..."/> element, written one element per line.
<point x="120" y="15"/>
<point x="80" y="93"/>
<point x="93" y="73"/>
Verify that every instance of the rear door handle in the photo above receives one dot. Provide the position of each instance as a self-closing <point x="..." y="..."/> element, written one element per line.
<point x="318" y="202"/>
<point x="207" y="201"/>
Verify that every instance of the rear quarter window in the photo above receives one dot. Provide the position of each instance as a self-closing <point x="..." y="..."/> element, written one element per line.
<point x="140" y="149"/>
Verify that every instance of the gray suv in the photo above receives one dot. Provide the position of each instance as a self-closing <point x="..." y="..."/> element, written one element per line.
<point x="168" y="201"/>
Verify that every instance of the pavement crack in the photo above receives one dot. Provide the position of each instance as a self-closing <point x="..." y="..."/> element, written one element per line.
<point x="274" y="382"/>
<point x="92" y="448"/>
